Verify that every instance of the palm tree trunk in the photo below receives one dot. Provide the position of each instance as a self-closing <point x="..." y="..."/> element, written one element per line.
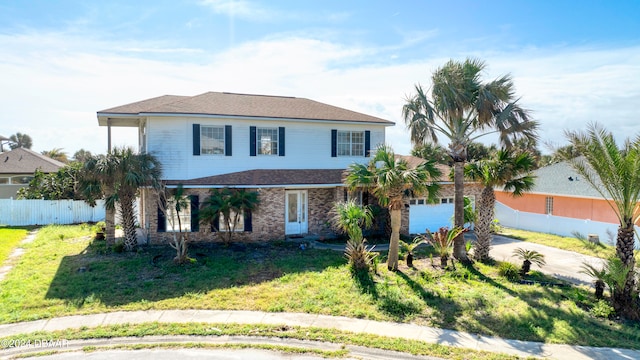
<point x="459" y="250"/>
<point x="623" y="301"/>
<point x="394" y="242"/>
<point x="128" y="222"/>
<point x="483" y="224"/>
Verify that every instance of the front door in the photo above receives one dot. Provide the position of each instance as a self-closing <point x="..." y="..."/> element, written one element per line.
<point x="296" y="212"/>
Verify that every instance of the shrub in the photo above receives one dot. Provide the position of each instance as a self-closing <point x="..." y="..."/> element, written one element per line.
<point x="601" y="309"/>
<point x="509" y="271"/>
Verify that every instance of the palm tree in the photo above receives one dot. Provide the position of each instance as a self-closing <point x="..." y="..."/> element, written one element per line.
<point x="175" y="202"/>
<point x="462" y="108"/>
<point x="615" y="173"/>
<point x="391" y="181"/>
<point x="351" y="218"/>
<point x="506" y="169"/>
<point x="230" y="204"/>
<point x="82" y="155"/>
<point x="56" y="154"/>
<point x="529" y="257"/>
<point x="20" y="141"/>
<point x="117" y="176"/>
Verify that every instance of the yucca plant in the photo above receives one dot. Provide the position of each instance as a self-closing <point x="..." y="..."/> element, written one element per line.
<point x="599" y="277"/>
<point x="409" y="247"/>
<point x="529" y="257"/>
<point x="442" y="241"/>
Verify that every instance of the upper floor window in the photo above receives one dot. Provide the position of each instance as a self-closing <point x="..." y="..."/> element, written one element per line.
<point x="350" y="143"/>
<point x="267" y="141"/>
<point x="212" y="140"/>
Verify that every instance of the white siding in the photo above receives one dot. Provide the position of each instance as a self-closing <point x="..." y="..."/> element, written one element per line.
<point x="307" y="146"/>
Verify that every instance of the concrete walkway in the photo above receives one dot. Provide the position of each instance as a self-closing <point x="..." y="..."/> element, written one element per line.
<point x="390" y="329"/>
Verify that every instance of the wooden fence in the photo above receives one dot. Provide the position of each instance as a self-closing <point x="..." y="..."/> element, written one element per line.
<point x="44" y="212"/>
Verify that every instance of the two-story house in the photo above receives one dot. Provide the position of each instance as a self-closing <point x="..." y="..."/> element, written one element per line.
<point x="292" y="151"/>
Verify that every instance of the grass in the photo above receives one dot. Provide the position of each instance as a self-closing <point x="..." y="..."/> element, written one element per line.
<point x="9" y="239"/>
<point x="574" y="244"/>
<point x="273" y="331"/>
<point x="64" y="272"/>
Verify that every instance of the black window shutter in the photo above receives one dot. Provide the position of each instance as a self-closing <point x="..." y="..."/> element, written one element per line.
<point x="334" y="143"/>
<point x="367" y="143"/>
<point x="196" y="139"/>
<point x="365" y="198"/>
<point x="346" y="195"/>
<point x="281" y="141"/>
<point x="195" y="206"/>
<point x="162" y="220"/>
<point x="248" y="226"/>
<point x="227" y="140"/>
<point x="215" y="224"/>
<point x="252" y="141"/>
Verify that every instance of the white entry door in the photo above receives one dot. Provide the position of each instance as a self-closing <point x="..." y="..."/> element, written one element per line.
<point x="296" y="212"/>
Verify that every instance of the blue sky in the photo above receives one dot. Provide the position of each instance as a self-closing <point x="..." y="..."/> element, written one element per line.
<point x="61" y="61"/>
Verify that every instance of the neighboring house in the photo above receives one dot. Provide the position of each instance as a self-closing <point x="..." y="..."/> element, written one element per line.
<point x="292" y="151"/>
<point x="561" y="202"/>
<point x="17" y="168"/>
<point x="560" y="191"/>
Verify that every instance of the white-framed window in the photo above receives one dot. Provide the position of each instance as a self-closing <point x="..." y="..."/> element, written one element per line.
<point x="350" y="143"/>
<point x="446" y="200"/>
<point x="21" y="179"/>
<point x="412" y="201"/>
<point x="4" y="181"/>
<point x="355" y="196"/>
<point x="172" y="219"/>
<point x="239" y="226"/>
<point x="211" y="140"/>
<point x="267" y="141"/>
<point x="549" y="205"/>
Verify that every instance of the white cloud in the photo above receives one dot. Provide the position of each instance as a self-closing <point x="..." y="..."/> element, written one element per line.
<point x="54" y="84"/>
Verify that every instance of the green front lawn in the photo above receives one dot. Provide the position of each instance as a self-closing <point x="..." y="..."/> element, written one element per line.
<point x="9" y="239"/>
<point x="64" y="272"/>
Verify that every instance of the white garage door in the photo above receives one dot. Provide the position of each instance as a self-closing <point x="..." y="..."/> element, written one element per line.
<point x="429" y="216"/>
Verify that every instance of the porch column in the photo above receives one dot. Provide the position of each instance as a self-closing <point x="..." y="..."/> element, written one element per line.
<point x="108" y="135"/>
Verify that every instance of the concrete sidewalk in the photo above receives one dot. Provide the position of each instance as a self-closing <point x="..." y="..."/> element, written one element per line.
<point x="389" y="329"/>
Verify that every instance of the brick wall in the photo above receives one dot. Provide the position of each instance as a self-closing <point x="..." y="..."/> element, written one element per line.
<point x="267" y="221"/>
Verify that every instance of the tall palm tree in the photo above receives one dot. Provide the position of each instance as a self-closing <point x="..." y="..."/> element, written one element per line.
<point x="462" y="108"/>
<point x="506" y="169"/>
<point x="391" y="181"/>
<point x="20" y="140"/>
<point x="117" y="176"/>
<point x="615" y="173"/>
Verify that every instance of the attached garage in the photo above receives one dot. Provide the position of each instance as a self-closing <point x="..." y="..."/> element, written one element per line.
<point x="423" y="215"/>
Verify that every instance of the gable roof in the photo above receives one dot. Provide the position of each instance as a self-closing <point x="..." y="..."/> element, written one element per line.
<point x="25" y="161"/>
<point x="238" y="105"/>
<point x="562" y="179"/>
<point x="267" y="178"/>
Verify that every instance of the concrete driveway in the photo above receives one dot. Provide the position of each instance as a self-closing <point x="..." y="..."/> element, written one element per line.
<point x="562" y="264"/>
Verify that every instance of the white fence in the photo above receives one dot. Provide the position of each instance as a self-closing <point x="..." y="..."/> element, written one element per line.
<point x="556" y="224"/>
<point x="44" y="212"/>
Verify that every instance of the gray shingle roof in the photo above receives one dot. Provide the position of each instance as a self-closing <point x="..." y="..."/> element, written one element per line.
<point x="562" y="179"/>
<point x="25" y="161"/>
<point x="264" y="177"/>
<point x="245" y="105"/>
